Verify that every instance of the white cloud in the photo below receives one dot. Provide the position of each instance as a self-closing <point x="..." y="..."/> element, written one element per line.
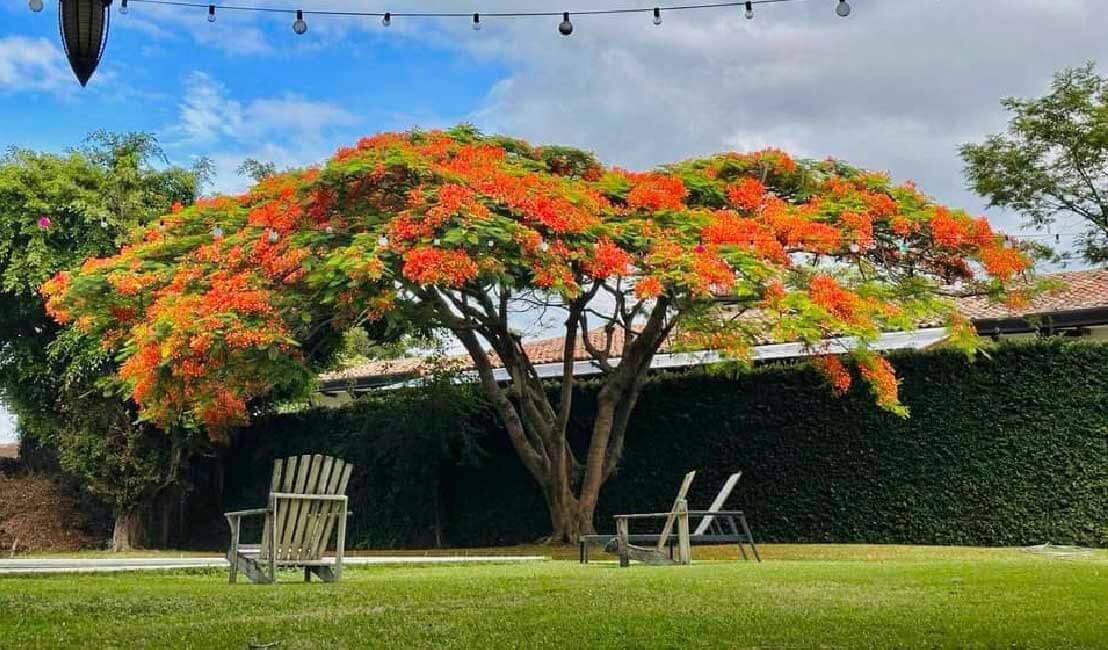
<point x="33" y="65"/>
<point x="209" y="114"/>
<point x="288" y="130"/>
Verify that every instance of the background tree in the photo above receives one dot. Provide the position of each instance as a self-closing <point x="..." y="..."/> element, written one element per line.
<point x="59" y="210"/>
<point x="462" y="231"/>
<point x="1053" y="160"/>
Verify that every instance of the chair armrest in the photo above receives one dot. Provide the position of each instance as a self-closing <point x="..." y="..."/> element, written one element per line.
<point x="246" y="513"/>
<point x="308" y="497"/>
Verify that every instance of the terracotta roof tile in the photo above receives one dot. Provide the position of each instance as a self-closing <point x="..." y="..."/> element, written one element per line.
<point x="1083" y="290"/>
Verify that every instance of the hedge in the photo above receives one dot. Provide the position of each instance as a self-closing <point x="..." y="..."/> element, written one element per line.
<point x="1007" y="449"/>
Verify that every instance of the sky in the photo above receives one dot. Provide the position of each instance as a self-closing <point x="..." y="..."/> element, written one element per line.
<point x="896" y="87"/>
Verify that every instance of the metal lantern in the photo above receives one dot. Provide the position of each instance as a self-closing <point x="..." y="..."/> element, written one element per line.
<point x="84" y="28"/>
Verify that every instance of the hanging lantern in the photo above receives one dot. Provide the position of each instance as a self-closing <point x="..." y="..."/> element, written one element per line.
<point x="84" y="28"/>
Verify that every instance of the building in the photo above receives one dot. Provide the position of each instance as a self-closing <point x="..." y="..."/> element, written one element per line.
<point x="1078" y="309"/>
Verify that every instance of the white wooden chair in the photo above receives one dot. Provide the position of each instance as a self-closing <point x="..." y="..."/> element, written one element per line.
<point x="307" y="498"/>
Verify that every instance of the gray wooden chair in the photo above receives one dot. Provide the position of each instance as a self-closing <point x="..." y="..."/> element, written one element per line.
<point x="307" y="498"/>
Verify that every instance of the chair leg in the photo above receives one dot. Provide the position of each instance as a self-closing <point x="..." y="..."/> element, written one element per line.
<point x="233" y="552"/>
<point x="749" y="537"/>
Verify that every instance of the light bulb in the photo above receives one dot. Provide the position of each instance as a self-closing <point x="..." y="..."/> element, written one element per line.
<point x="476" y="22"/>
<point x="843" y="9"/>
<point x="749" y="10"/>
<point x="35" y="5"/>
<point x="217" y="232"/>
<point x="386" y="20"/>
<point x="123" y="6"/>
<point x="382" y="241"/>
<point x="657" y="16"/>
<point x="211" y="13"/>
<point x="103" y="223"/>
<point x="565" y="28"/>
<point x="330" y="230"/>
<point x="300" y="26"/>
<point x="273" y="236"/>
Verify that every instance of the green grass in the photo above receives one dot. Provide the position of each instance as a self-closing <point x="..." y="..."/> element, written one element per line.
<point x="803" y="596"/>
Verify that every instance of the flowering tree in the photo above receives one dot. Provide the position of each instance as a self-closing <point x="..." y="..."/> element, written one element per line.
<point x="237" y="297"/>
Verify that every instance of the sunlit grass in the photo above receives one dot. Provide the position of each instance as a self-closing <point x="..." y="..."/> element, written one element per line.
<point x="802" y="596"/>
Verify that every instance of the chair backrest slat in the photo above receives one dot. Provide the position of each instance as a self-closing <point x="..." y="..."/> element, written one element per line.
<point x="292" y="507"/>
<point x="681" y="494"/>
<point x="274" y="486"/>
<point x="717" y="503"/>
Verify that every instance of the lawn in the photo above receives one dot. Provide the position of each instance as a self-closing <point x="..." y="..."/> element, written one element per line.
<point x="802" y="596"/>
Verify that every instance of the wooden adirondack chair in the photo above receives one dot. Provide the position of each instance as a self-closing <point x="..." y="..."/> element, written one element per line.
<point x="307" y="498"/>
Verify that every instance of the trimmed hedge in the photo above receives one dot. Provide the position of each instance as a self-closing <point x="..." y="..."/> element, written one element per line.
<point x="1009" y="449"/>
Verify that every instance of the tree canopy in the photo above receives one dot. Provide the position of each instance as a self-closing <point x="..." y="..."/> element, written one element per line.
<point x="1053" y="159"/>
<point x="60" y="209"/>
<point x="236" y="297"/>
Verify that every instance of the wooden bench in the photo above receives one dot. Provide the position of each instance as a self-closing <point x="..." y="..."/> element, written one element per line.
<point x="716" y="527"/>
<point x="307" y="502"/>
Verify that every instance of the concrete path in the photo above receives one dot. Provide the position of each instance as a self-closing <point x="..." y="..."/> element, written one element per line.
<point x="88" y="565"/>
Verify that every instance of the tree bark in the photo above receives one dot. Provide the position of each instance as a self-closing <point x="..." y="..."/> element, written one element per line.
<point x="129" y="532"/>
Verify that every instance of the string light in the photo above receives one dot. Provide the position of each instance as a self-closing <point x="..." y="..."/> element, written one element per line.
<point x="211" y="13"/>
<point x="565" y="28"/>
<point x="843" y="9"/>
<point x="35" y="5"/>
<point x="476" y="22"/>
<point x="273" y="236"/>
<point x="300" y="26"/>
<point x="217" y="232"/>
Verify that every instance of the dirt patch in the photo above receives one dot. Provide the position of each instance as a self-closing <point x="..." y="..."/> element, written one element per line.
<point x="37" y="514"/>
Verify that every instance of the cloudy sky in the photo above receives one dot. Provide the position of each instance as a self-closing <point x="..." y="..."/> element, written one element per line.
<point x="896" y="86"/>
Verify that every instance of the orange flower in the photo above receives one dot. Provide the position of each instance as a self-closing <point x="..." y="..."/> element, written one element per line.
<point x="747" y="194"/>
<point x="648" y="287"/>
<point x="832" y="367"/>
<point x="1002" y="263"/>
<point x="427" y="265"/>
<point x="607" y="260"/>
<point x="879" y="373"/>
<point x="945" y="229"/>
<point x="827" y="293"/>
<point x="656" y="192"/>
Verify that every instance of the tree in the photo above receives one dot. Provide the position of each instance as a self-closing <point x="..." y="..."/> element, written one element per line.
<point x="460" y="231"/>
<point x="1053" y="160"/>
<point x="59" y="210"/>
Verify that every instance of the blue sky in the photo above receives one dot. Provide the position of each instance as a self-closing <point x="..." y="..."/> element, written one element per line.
<point x="897" y="86"/>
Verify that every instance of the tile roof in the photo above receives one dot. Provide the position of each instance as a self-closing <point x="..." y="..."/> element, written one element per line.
<point x="1083" y="290"/>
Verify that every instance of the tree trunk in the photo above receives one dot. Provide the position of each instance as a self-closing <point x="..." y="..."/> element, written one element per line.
<point x="129" y="531"/>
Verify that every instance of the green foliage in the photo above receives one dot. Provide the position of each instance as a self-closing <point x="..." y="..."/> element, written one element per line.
<point x="1053" y="160"/>
<point x="1005" y="450"/>
<point x="93" y="197"/>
